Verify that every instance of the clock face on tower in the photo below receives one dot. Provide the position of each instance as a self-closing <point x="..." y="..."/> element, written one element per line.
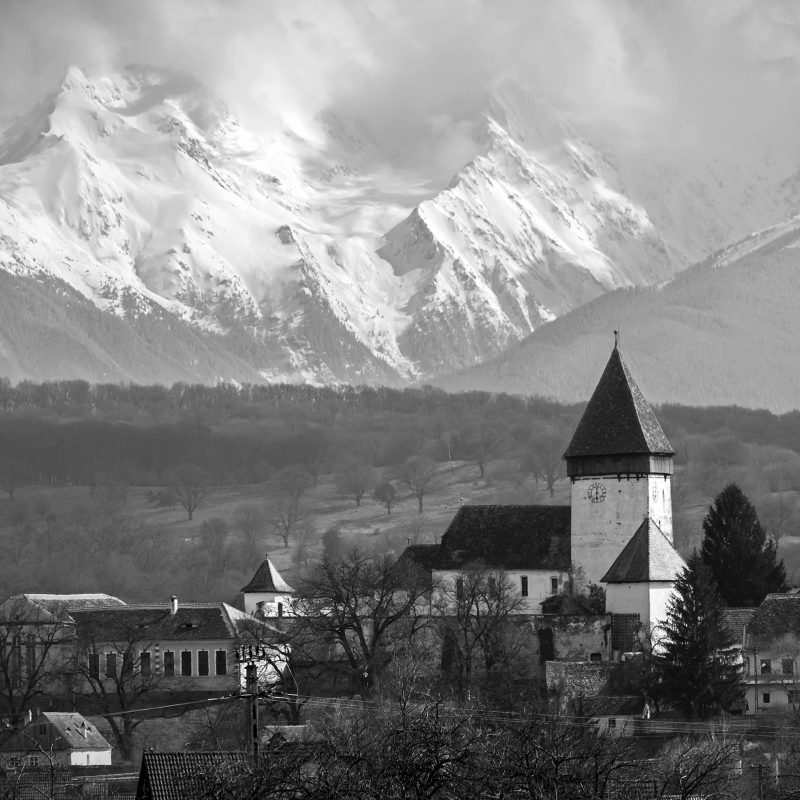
<point x="596" y="493"/>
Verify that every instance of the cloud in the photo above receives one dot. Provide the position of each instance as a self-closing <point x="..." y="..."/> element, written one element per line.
<point x="691" y="74"/>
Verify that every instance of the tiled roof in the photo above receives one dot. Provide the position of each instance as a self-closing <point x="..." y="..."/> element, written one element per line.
<point x="512" y="537"/>
<point x="736" y="619"/>
<point x="178" y="776"/>
<point x="617" y="420"/>
<point x="76" y="731"/>
<point x="778" y="616"/>
<point x="423" y="556"/>
<point x="268" y="579"/>
<point x="72" y="731"/>
<point x="648" y="556"/>
<point x="155" y="623"/>
<point x="75" y="601"/>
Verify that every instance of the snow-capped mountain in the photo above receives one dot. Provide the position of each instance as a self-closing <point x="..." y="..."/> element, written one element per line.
<point x="722" y="332"/>
<point x="301" y="260"/>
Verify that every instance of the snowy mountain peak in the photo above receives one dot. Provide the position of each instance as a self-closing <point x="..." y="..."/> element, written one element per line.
<point x="142" y="192"/>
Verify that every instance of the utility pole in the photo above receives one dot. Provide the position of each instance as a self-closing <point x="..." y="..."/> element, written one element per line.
<point x="251" y="678"/>
<point x="251" y="656"/>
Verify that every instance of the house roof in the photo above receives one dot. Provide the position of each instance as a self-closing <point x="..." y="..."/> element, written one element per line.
<point x="649" y="556"/>
<point x="777" y="617"/>
<point x="618" y="420"/>
<point x="176" y="776"/>
<point x="70" y="731"/>
<point x="513" y="537"/>
<point x="423" y="556"/>
<point x="51" y="608"/>
<point x="268" y="579"/>
<point x="193" y="621"/>
<point x="736" y="619"/>
<point x="74" y="730"/>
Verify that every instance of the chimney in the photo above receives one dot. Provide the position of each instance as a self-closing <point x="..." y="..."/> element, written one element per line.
<point x="173" y="605"/>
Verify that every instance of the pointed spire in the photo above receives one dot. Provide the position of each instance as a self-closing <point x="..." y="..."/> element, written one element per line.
<point x="648" y="557"/>
<point x="267" y="579"/>
<point x="618" y="420"/>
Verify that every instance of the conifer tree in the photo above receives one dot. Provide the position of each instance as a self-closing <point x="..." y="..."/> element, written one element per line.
<point x="699" y="674"/>
<point x="742" y="561"/>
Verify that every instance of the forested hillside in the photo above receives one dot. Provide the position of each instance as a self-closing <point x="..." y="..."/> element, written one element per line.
<point x="128" y="488"/>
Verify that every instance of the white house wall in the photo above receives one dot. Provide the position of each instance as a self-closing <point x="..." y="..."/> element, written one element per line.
<point x="540" y="585"/>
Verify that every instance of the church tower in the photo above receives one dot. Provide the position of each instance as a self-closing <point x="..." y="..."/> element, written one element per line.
<point x="620" y="464"/>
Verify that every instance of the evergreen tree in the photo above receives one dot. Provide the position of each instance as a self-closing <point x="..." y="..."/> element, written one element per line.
<point x="699" y="675"/>
<point x="735" y="548"/>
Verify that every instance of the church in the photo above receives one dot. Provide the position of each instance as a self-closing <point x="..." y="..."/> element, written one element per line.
<point x="616" y="531"/>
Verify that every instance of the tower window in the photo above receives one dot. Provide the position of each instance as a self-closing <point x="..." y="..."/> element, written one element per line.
<point x="523" y="585"/>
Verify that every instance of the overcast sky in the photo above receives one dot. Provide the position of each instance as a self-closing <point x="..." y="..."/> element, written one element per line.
<point x="685" y="72"/>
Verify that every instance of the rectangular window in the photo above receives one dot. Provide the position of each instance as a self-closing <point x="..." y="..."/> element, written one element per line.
<point x="766" y="666"/>
<point x="595" y="657"/>
<point x="222" y="662"/>
<point x="186" y="663"/>
<point x="280" y="609"/>
<point x="765" y="698"/>
<point x="127" y="664"/>
<point x="145" y="664"/>
<point x="202" y="662"/>
<point x="169" y="663"/>
<point x="612" y="722"/>
<point x="787" y="666"/>
<point x="793" y="695"/>
<point x="553" y="585"/>
<point x="523" y="585"/>
<point x="493" y="587"/>
<point x="94" y="665"/>
<point x="111" y="665"/>
<point x="459" y="588"/>
<point x="43" y="730"/>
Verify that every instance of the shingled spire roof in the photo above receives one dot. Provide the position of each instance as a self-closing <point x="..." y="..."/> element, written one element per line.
<point x="268" y="579"/>
<point x="649" y="556"/>
<point x="618" y="420"/>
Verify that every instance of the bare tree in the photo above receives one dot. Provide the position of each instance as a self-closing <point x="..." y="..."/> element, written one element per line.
<point x="190" y="485"/>
<point x="483" y="440"/>
<point x="118" y="675"/>
<point x="284" y="516"/>
<point x="355" y="479"/>
<point x="358" y="602"/>
<point x="418" y="474"/>
<point x="13" y="474"/>
<point x="544" y="459"/>
<point x="250" y="520"/>
<point x="385" y="494"/>
<point x="474" y="614"/>
<point x="36" y="644"/>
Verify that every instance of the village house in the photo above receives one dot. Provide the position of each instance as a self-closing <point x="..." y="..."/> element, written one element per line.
<point x="76" y="648"/>
<point x="771" y="653"/>
<point x="53" y="738"/>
